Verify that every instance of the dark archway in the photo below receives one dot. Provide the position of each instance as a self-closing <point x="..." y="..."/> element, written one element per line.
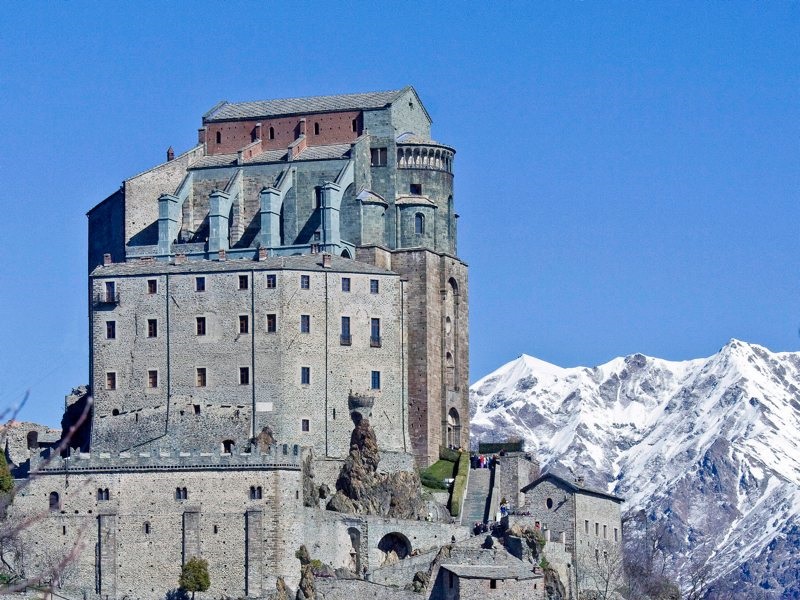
<point x="453" y="429"/>
<point x="345" y="253"/>
<point x="394" y="547"/>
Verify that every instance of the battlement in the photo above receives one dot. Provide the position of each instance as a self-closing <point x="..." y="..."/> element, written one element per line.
<point x="277" y="457"/>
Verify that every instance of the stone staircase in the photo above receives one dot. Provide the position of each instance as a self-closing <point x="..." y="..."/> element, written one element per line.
<point x="476" y="500"/>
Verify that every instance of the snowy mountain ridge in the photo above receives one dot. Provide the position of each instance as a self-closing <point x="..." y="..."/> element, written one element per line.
<point x="708" y="449"/>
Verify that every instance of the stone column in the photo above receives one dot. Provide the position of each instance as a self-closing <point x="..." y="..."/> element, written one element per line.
<point x="218" y="226"/>
<point x="168" y="209"/>
<point x="331" y="203"/>
<point x="254" y="553"/>
<point x="191" y="534"/>
<point x="270" y="234"/>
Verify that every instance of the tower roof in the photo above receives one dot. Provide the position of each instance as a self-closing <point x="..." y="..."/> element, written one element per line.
<point x="227" y="111"/>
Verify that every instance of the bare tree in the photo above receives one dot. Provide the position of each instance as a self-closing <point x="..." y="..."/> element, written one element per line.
<point x="601" y="573"/>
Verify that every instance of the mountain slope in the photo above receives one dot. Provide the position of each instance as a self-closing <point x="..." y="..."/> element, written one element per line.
<point x="707" y="450"/>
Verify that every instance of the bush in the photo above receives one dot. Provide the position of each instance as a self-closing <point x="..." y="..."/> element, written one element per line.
<point x="194" y="576"/>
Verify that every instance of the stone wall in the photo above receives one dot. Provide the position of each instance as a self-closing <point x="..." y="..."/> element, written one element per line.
<point x="315" y="413"/>
<point x="513" y="471"/>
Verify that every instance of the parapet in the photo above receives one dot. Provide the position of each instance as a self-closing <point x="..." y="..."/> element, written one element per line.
<point x="277" y="457"/>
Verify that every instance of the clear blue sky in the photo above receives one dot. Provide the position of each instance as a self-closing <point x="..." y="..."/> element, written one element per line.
<point x="627" y="173"/>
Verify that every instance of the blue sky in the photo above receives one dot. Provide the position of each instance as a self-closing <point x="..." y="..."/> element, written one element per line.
<point x="626" y="173"/>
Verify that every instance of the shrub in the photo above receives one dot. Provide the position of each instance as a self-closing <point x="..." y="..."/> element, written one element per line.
<point x="194" y="575"/>
<point x="460" y="484"/>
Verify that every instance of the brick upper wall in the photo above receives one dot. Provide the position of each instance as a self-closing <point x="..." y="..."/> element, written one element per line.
<point x="334" y="128"/>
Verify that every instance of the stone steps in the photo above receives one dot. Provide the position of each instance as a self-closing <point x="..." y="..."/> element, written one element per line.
<point x="476" y="498"/>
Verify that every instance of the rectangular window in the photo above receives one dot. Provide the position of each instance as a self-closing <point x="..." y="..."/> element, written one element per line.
<point x="345" y="284"/>
<point x="373" y="286"/>
<point x="152" y="286"/>
<point x="345" y="339"/>
<point x="415" y="189"/>
<point x="305" y="323"/>
<point x="616" y="534"/>
<point x="586" y="526"/>
<point x="199" y="284"/>
<point x="305" y="425"/>
<point x="375" y="333"/>
<point x="243" y="282"/>
<point x="152" y="379"/>
<point x="152" y="327"/>
<point x="271" y="281"/>
<point x="200" y="377"/>
<point x="244" y="324"/>
<point x="111" y="330"/>
<point x="201" y="325"/>
<point x="305" y="282"/>
<point x="305" y="375"/>
<point x="111" y="380"/>
<point x="597" y="529"/>
<point x="493" y="584"/>
<point x="244" y="375"/>
<point x="375" y="382"/>
<point x="272" y="323"/>
<point x="111" y="291"/>
<point x="378" y="157"/>
<point x="605" y="527"/>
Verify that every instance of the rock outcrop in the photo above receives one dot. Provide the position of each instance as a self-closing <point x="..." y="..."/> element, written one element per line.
<point x="360" y="489"/>
<point x="306" y="590"/>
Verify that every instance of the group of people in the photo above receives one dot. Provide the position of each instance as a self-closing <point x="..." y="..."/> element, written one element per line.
<point x="481" y="461"/>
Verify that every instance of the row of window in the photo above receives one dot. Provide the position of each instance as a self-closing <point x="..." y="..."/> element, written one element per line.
<point x="201" y="328"/>
<point x="597" y="530"/>
<point x="201" y="378"/>
<point x="243" y="284"/>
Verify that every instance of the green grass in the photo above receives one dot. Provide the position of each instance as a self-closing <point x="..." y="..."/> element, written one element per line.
<point x="433" y="476"/>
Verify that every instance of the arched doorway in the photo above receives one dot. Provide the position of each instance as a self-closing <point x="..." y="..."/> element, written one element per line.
<point x="394" y="547"/>
<point x="453" y="429"/>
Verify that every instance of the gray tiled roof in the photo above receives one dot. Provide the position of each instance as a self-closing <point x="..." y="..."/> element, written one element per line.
<point x="305" y="262"/>
<point x="571" y="486"/>
<point x="290" y="106"/>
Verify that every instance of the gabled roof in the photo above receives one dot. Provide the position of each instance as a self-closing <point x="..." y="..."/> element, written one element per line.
<point x="226" y="111"/>
<point x="571" y="486"/>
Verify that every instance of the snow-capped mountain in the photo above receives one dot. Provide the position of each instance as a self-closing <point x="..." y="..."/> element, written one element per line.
<point x="706" y="452"/>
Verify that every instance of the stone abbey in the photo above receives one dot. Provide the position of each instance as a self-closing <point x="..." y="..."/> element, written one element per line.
<point x="278" y="325"/>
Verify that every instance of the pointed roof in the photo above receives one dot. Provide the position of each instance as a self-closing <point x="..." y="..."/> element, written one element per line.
<point x="227" y="111"/>
<point x="571" y="486"/>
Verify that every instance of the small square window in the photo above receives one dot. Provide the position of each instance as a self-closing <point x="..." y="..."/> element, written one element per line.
<point x="244" y="375"/>
<point x="317" y="236"/>
<point x="415" y="189"/>
<point x="244" y="324"/>
<point x="305" y="375"/>
<point x="345" y="284"/>
<point x="152" y="379"/>
<point x="375" y="382"/>
<point x="201" y="325"/>
<point x="152" y="286"/>
<point x="493" y="584"/>
<point x="272" y="323"/>
<point x="305" y="282"/>
<point x="243" y="282"/>
<point x="199" y="284"/>
<point x="305" y="323"/>
<point x="305" y="425"/>
<point x="111" y="380"/>
<point x="200" y="377"/>
<point x="271" y="280"/>
<point x="111" y="330"/>
<point x="373" y="286"/>
<point x="152" y="328"/>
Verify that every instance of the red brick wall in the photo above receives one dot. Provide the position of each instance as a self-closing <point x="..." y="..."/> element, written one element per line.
<point x="334" y="128"/>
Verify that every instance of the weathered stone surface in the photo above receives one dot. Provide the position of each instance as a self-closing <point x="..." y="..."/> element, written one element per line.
<point x="307" y="588"/>
<point x="360" y="489"/>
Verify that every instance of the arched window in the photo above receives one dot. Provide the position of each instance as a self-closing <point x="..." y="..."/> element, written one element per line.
<point x="316" y="128"/>
<point x="219" y="137"/>
<point x="272" y="133"/>
<point x="345" y="253"/>
<point x="419" y="224"/>
<point x="102" y="494"/>
<point x="33" y="440"/>
<point x="255" y="492"/>
<point x="181" y="494"/>
<point x="55" y="501"/>
<point x="227" y="446"/>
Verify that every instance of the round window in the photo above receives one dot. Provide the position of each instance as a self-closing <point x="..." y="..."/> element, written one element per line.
<point x="549" y="503"/>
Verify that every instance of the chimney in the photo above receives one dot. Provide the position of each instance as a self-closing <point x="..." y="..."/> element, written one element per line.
<point x="262" y="253"/>
<point x="221" y="254"/>
<point x="239" y="157"/>
<point x="107" y="259"/>
<point x="258" y="131"/>
<point x="302" y="127"/>
<point x="170" y="154"/>
<point x="326" y="261"/>
<point x="180" y="258"/>
<point x="201" y="135"/>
